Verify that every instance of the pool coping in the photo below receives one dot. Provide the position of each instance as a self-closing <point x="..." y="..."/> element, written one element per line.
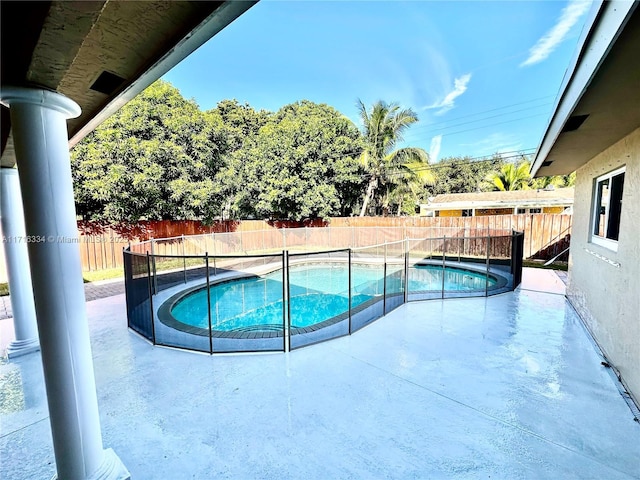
<point x="165" y="316"/>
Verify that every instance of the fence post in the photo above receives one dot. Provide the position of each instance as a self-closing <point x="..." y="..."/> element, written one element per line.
<point x="384" y="284"/>
<point x="530" y="237"/>
<point x="385" y="280"/>
<point x="284" y="239"/>
<point x="486" y="282"/>
<point x="153" y="260"/>
<point x="349" y="252"/>
<point x="213" y="235"/>
<point x="406" y="270"/>
<point x="288" y="291"/>
<point x="285" y="330"/>
<point x="153" y="327"/>
<point x="113" y="253"/>
<point x="184" y="260"/>
<point x="444" y="254"/>
<point x="209" y="304"/>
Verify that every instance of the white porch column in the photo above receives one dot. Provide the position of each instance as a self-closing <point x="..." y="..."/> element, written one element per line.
<point x="15" y="251"/>
<point x="38" y="122"/>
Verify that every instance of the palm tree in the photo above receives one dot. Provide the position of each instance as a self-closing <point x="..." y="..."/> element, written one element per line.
<point x="555" y="181"/>
<point x="511" y="177"/>
<point x="542" y="183"/>
<point x="386" y="166"/>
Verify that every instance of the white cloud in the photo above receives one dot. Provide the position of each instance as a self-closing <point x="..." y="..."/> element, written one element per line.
<point x="550" y="40"/>
<point x="434" y="149"/>
<point x="448" y="102"/>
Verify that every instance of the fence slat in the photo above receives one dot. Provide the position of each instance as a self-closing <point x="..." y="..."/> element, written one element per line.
<point x="102" y="245"/>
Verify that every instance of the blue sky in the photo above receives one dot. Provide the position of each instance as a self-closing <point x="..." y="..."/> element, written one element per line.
<point x="482" y="76"/>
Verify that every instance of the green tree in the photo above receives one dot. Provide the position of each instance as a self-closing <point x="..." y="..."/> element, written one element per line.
<point x="240" y="122"/>
<point x="389" y="168"/>
<point x="510" y="177"/>
<point x="556" y="181"/>
<point x="300" y="165"/>
<point x="154" y="159"/>
<point x="461" y="175"/>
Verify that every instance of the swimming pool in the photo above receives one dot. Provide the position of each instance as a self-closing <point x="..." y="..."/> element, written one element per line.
<point x="318" y="293"/>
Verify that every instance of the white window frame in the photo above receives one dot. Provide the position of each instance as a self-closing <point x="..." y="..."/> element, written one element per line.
<point x="598" y="240"/>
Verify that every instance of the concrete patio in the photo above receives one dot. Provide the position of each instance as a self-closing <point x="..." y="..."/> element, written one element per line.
<point x="509" y="387"/>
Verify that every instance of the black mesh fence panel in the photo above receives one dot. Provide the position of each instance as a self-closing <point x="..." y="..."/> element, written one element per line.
<point x="247" y="303"/>
<point x="516" y="257"/>
<point x="425" y="268"/>
<point x="137" y="285"/>
<point x="318" y="297"/>
<point x="462" y="276"/>
<point x="394" y="276"/>
<point x="169" y="271"/>
<point x="226" y="300"/>
<point x="367" y="285"/>
<point x="500" y="278"/>
<point x="181" y="318"/>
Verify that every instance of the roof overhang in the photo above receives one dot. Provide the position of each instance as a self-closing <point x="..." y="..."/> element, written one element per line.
<point x="101" y="54"/>
<point x="533" y="203"/>
<point x="599" y="102"/>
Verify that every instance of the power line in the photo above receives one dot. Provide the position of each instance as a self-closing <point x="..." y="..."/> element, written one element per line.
<point x="495" y="124"/>
<point x="471" y="161"/>
<point x="487" y="118"/>
<point x="495" y="109"/>
<point x="440" y="125"/>
<point x="499" y="156"/>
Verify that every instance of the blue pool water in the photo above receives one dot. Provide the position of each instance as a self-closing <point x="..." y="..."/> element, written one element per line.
<point x="318" y="293"/>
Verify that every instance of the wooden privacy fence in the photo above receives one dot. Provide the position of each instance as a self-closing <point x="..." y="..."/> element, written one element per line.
<point x="101" y="246"/>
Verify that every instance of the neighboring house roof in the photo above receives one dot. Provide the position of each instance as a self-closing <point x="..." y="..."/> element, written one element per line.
<point x="599" y="102"/>
<point x="511" y="199"/>
<point x="100" y="54"/>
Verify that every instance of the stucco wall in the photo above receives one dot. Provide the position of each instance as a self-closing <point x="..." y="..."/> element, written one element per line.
<point x="604" y="286"/>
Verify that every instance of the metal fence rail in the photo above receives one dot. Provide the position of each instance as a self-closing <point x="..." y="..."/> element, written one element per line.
<point x="282" y="301"/>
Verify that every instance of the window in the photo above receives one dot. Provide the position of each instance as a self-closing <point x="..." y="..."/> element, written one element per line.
<point x="606" y="209"/>
<point x="522" y="210"/>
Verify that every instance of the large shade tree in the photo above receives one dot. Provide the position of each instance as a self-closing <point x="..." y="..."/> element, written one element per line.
<point x="154" y="159"/>
<point x="392" y="172"/>
<point x="301" y="164"/>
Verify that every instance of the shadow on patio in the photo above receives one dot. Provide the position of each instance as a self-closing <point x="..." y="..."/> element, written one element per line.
<point x="501" y="387"/>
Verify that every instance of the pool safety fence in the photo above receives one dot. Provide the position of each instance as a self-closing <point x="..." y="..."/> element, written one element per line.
<point x="285" y="300"/>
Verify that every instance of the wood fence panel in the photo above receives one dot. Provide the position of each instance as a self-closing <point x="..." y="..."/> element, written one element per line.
<point x="101" y="246"/>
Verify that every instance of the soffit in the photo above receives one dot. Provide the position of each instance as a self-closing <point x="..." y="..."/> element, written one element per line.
<point x="66" y="45"/>
<point x="612" y="102"/>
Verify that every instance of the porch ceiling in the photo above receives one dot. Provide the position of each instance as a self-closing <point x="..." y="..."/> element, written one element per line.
<point x="67" y="45"/>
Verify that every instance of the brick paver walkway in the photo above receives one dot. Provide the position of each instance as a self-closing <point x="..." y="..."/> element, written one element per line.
<point x="92" y="291"/>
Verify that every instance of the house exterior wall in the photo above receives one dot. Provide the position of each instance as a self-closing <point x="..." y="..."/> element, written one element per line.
<point x="553" y="209"/>
<point x="604" y="285"/>
<point x="480" y="212"/>
<point x="449" y="213"/>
